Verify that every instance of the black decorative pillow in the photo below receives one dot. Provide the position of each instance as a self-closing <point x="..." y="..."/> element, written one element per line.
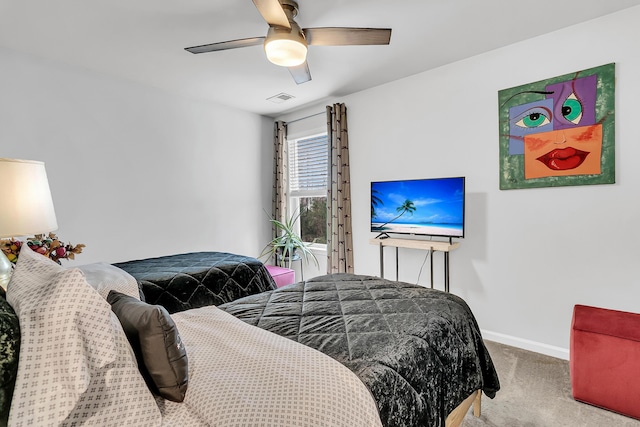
<point x="162" y="358"/>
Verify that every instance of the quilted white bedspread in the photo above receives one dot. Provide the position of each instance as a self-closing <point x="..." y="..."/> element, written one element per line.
<point x="241" y="375"/>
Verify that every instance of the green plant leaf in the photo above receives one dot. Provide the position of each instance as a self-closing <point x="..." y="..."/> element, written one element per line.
<point x="287" y="242"/>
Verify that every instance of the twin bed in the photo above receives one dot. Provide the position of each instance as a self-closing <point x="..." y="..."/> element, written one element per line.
<point x="399" y="354"/>
<point x="418" y="351"/>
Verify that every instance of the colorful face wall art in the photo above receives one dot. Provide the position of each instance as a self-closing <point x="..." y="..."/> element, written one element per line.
<point x="559" y="131"/>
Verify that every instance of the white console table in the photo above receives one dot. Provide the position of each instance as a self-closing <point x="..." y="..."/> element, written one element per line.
<point x="428" y="245"/>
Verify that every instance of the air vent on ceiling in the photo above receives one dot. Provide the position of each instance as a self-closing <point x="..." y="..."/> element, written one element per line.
<point x="281" y="97"/>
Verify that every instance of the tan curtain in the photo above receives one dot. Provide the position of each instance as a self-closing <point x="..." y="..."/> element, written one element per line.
<point x="339" y="235"/>
<point x="279" y="208"/>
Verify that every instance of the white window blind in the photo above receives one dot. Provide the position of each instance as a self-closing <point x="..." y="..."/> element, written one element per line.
<point x="308" y="165"/>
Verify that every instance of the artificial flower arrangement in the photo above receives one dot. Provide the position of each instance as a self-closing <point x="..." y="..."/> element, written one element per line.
<point x="49" y="246"/>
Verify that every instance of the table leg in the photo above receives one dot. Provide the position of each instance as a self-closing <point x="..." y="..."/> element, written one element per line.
<point x="446" y="271"/>
<point x="396" y="263"/>
<point x="431" y="261"/>
<point x="381" y="261"/>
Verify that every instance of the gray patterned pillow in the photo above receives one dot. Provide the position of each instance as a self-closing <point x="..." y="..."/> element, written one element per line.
<point x="162" y="358"/>
<point x="77" y="366"/>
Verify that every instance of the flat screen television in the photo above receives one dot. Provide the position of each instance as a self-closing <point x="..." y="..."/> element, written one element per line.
<point x="429" y="207"/>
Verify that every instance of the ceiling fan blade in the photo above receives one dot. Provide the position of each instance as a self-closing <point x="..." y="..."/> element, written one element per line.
<point x="342" y="36"/>
<point x="231" y="44"/>
<point x="272" y="12"/>
<point x="300" y="73"/>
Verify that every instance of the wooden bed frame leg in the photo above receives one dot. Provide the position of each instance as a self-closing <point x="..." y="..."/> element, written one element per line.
<point x="477" y="403"/>
<point x="454" y="419"/>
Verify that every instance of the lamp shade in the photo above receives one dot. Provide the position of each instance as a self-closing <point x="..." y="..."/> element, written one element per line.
<point x="26" y="206"/>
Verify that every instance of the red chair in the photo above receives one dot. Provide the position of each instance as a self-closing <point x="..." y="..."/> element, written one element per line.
<point x="605" y="359"/>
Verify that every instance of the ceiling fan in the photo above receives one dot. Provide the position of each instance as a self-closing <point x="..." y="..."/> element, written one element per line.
<point x="286" y="43"/>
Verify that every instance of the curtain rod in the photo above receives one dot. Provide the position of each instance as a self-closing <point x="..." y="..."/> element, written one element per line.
<point x="306" y="117"/>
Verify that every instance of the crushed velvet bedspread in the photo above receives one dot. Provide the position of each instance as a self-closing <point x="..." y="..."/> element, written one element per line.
<point x="418" y="350"/>
<point x="198" y="279"/>
<point x="9" y="351"/>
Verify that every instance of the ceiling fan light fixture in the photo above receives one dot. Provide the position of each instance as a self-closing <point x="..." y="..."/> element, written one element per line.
<point x="286" y="48"/>
<point x="286" y="53"/>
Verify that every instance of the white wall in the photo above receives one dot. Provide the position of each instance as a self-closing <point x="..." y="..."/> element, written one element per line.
<point x="136" y="172"/>
<point x="529" y="255"/>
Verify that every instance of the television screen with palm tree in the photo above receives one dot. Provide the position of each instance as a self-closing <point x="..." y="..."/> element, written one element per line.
<point x="430" y="207"/>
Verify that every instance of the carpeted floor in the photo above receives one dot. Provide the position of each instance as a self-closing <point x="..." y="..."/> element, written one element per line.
<point x="536" y="392"/>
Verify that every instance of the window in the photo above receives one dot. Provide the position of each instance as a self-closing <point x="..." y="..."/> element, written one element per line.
<point x="308" y="180"/>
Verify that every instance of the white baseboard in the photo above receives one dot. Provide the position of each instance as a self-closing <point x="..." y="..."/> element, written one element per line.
<point x="549" y="350"/>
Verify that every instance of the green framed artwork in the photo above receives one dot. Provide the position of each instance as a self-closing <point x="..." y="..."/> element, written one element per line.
<point x="559" y="131"/>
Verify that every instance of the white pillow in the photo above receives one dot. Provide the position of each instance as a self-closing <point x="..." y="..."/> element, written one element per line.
<point x="76" y="365"/>
<point x="105" y="278"/>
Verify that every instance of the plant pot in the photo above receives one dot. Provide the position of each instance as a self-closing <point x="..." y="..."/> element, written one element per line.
<point x="280" y="260"/>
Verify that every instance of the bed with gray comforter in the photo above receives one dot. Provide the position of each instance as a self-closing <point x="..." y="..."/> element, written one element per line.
<point x="418" y="350"/>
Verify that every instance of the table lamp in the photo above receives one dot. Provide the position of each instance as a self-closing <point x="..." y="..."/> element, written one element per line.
<point x="26" y="206"/>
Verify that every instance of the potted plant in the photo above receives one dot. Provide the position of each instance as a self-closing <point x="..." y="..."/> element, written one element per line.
<point x="287" y="245"/>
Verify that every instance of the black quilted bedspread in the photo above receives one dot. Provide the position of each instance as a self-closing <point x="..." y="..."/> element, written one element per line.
<point x="9" y="351"/>
<point x="418" y="350"/>
<point x="198" y="279"/>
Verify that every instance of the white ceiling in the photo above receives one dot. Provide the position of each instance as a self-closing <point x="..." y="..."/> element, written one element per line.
<point x="144" y="41"/>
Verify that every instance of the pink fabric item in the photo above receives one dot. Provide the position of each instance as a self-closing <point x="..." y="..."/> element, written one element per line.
<point x="282" y="276"/>
<point x="605" y="359"/>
